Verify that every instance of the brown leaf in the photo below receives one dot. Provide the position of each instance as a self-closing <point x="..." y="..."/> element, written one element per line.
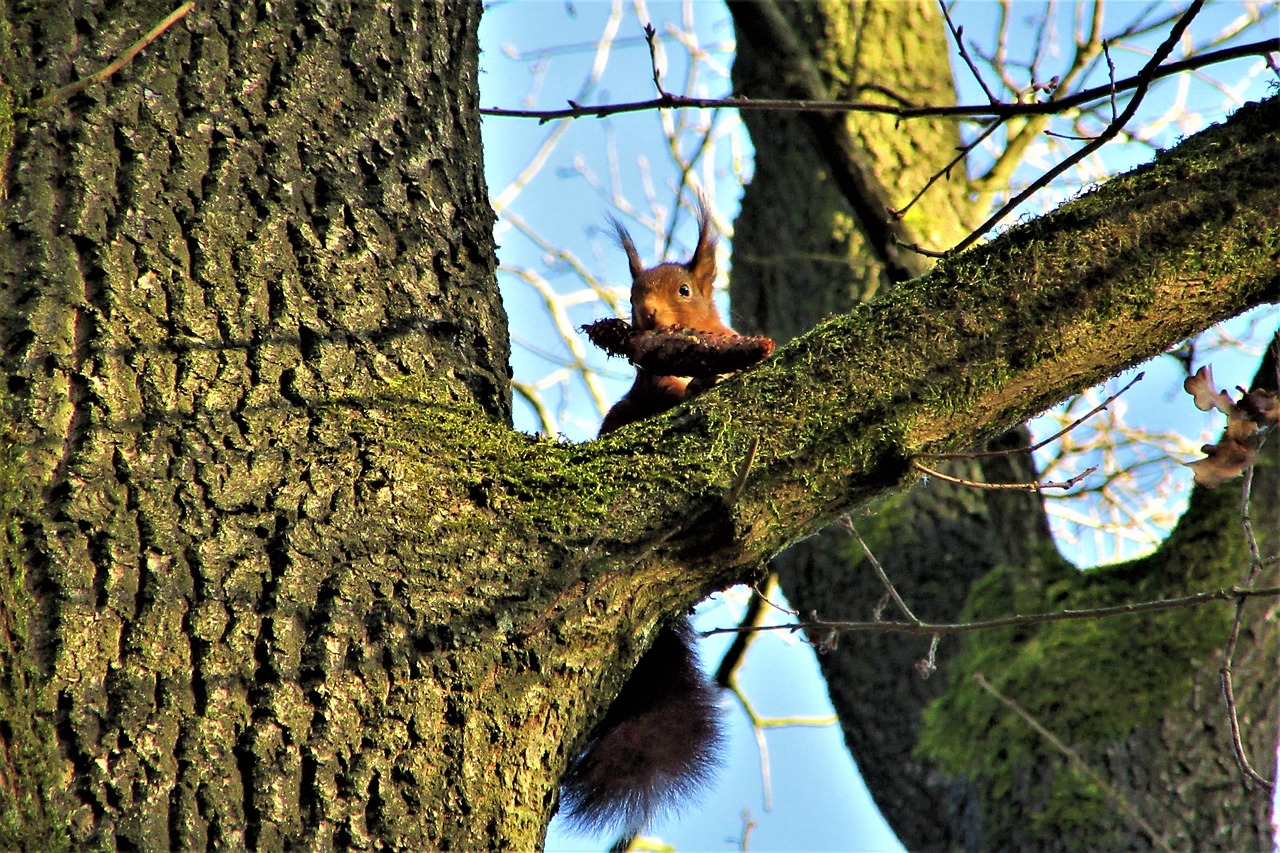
<point x="1261" y="405"/>
<point x="1223" y="461"/>
<point x="1248" y="423"/>
<point x="1200" y="387"/>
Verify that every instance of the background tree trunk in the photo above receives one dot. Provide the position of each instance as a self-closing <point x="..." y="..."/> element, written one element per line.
<point x="949" y="777"/>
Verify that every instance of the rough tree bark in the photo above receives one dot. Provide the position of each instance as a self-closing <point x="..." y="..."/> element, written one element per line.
<point x="1148" y="710"/>
<point x="278" y="573"/>
<point x="257" y="229"/>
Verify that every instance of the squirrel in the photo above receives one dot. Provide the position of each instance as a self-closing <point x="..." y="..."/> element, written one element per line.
<point x="668" y="295"/>
<point x="661" y="739"/>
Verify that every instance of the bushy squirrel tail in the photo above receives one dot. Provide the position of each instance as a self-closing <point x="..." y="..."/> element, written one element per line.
<point x="658" y="744"/>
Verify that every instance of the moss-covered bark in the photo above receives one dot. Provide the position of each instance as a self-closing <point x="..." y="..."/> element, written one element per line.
<point x="822" y="265"/>
<point x="1137" y="697"/>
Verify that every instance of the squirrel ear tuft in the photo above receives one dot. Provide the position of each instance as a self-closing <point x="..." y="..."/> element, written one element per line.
<point x="702" y="266"/>
<point x="624" y="240"/>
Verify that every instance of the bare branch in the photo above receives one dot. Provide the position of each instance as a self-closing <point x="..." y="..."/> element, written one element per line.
<point x="904" y="111"/>
<point x="957" y="33"/>
<point x="1228" y="653"/>
<point x="1111" y="76"/>
<point x="961" y="155"/>
<point x="847" y="524"/>
<point x="1144" y="80"/>
<point x="1026" y="487"/>
<point x="651" y="38"/>
<point x="923" y="628"/>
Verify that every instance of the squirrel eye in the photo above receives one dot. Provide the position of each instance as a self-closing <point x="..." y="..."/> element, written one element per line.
<point x="684" y="290"/>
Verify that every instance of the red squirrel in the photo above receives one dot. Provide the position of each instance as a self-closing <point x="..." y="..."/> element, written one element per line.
<point x="661" y="738"/>
<point x="669" y="294"/>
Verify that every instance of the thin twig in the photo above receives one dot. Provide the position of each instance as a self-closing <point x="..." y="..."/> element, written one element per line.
<point x="1111" y="76"/>
<point x="1078" y="762"/>
<point x="1069" y="137"/>
<point x="1251" y="776"/>
<point x="1255" y="553"/>
<point x="651" y="37"/>
<point x="961" y="154"/>
<point x="958" y="34"/>
<point x="766" y="596"/>
<point x="83" y="83"/>
<point x="741" y="480"/>
<point x="1025" y="487"/>
<point x="917" y="248"/>
<point x="981" y="454"/>
<point x="847" y="524"/>
<point x="922" y="628"/>
<point x="1228" y="653"/>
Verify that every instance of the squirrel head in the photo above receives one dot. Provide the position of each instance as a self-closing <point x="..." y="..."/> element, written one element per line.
<point x="674" y="294"/>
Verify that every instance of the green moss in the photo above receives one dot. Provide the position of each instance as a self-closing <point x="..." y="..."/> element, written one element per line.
<point x="1092" y="683"/>
<point x="6" y="134"/>
<point x="544" y="489"/>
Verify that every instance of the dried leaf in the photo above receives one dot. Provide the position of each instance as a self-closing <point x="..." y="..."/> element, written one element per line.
<point x="1261" y="406"/>
<point x="1248" y="423"/>
<point x="1200" y="387"/>
<point x="1223" y="461"/>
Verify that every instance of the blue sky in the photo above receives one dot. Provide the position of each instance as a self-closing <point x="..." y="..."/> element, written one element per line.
<point x="554" y="185"/>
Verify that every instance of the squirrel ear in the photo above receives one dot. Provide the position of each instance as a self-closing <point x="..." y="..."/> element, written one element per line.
<point x="624" y="240"/>
<point x="702" y="266"/>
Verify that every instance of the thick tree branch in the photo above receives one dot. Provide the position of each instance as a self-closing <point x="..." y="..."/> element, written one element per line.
<point x="650" y="518"/>
<point x="980" y="343"/>
<point x="1049" y="308"/>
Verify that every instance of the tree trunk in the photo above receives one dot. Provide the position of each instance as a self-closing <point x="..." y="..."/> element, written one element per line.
<point x="278" y="573"/>
<point x="264" y="225"/>
<point x="944" y="774"/>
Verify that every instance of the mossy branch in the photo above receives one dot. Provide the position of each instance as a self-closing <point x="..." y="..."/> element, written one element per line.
<point x="993" y="336"/>
<point x="984" y="341"/>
